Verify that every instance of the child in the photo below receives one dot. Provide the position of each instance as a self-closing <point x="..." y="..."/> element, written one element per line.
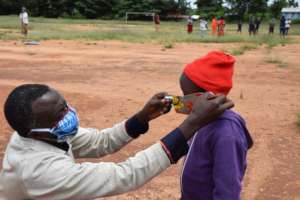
<point x="156" y="22"/>
<point x="251" y="26"/>
<point x="215" y="165"/>
<point x="214" y="25"/>
<point x="282" y="26"/>
<point x="287" y="26"/>
<point x="240" y="25"/>
<point x="203" y="27"/>
<point x="221" y="26"/>
<point x="257" y="24"/>
<point x="190" y="25"/>
<point x="272" y="26"/>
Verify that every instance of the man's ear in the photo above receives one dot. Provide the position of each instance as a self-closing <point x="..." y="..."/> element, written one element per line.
<point x="35" y="135"/>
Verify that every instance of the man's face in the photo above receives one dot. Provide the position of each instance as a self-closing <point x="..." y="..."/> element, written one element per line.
<point x="187" y="86"/>
<point x="49" y="109"/>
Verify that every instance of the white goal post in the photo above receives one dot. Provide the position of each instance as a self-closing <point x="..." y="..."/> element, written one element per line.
<point x="151" y="14"/>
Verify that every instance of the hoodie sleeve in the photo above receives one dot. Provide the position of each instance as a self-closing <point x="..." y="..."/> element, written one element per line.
<point x="229" y="164"/>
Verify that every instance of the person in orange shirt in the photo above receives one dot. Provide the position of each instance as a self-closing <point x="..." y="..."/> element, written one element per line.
<point x="214" y="25"/>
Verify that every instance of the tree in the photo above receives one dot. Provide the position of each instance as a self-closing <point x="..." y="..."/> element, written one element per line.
<point x="92" y="8"/>
<point x="170" y="6"/>
<point x="277" y="6"/>
<point x="163" y="7"/>
<point x="96" y="8"/>
<point x="210" y="8"/>
<point x="258" y="6"/>
<point x="242" y="7"/>
<point x="293" y="3"/>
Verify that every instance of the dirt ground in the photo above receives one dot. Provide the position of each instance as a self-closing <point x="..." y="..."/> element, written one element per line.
<point x="110" y="81"/>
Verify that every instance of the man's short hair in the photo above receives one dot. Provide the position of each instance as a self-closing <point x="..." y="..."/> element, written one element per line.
<point x="18" y="106"/>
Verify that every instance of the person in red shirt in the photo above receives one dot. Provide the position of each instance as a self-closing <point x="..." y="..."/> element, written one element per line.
<point x="190" y="25"/>
<point x="221" y="26"/>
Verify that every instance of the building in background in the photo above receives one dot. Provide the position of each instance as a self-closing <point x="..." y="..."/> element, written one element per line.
<point x="291" y="13"/>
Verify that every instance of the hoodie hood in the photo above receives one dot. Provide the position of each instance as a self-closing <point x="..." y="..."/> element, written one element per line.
<point x="236" y="118"/>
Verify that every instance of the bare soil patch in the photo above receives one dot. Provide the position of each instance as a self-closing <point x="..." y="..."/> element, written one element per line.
<point x="109" y="81"/>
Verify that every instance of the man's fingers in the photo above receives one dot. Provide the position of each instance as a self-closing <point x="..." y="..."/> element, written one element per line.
<point x="157" y="103"/>
<point x="161" y="95"/>
<point x="210" y="95"/>
<point x="227" y="105"/>
<point x="220" y="99"/>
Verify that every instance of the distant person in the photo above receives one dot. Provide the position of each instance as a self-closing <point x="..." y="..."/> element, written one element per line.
<point x="190" y="25"/>
<point x="203" y="27"/>
<point x="272" y="26"/>
<point x="217" y="159"/>
<point x="282" y="26"/>
<point x="221" y="26"/>
<point x="239" y="26"/>
<point x="288" y="22"/>
<point x="257" y="24"/>
<point x="251" y="26"/>
<point x="157" y="22"/>
<point x="214" y="26"/>
<point x="24" y="21"/>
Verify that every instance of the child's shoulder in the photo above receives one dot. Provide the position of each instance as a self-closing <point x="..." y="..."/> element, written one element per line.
<point x="227" y="123"/>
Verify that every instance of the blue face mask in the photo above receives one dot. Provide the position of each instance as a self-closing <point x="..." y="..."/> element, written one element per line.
<point x="66" y="127"/>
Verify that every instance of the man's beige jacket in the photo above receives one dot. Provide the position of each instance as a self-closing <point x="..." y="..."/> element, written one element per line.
<point x="33" y="169"/>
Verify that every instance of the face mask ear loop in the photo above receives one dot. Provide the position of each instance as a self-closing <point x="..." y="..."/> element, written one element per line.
<point x="41" y="130"/>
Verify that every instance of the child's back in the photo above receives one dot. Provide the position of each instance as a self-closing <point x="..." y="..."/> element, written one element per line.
<point x="216" y="162"/>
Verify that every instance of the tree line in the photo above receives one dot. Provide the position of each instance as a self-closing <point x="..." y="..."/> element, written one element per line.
<point x="111" y="9"/>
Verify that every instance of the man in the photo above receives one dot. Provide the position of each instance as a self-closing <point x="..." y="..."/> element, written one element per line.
<point x="24" y="21"/>
<point x="216" y="162"/>
<point x="39" y="162"/>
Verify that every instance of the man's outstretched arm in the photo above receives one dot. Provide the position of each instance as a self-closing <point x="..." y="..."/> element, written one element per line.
<point x="95" y="143"/>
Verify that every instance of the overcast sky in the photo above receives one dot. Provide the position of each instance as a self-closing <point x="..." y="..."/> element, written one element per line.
<point x="193" y="1"/>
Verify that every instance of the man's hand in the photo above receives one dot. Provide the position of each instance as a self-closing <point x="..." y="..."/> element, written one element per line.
<point x="207" y="108"/>
<point x="154" y="108"/>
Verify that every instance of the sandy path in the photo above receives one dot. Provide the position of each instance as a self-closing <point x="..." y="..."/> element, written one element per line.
<point x="109" y="81"/>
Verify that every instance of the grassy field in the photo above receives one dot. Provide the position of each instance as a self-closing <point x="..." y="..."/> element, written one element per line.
<point x="134" y="31"/>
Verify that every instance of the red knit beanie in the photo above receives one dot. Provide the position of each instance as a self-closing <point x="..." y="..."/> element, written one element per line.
<point x="212" y="72"/>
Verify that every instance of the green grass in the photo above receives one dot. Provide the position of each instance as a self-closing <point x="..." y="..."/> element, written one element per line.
<point x="244" y="48"/>
<point x="168" y="45"/>
<point x="134" y="31"/>
<point x="276" y="61"/>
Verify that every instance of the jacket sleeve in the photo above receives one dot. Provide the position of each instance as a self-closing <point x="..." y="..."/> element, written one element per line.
<point x="94" y="143"/>
<point x="229" y="163"/>
<point x="58" y="177"/>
